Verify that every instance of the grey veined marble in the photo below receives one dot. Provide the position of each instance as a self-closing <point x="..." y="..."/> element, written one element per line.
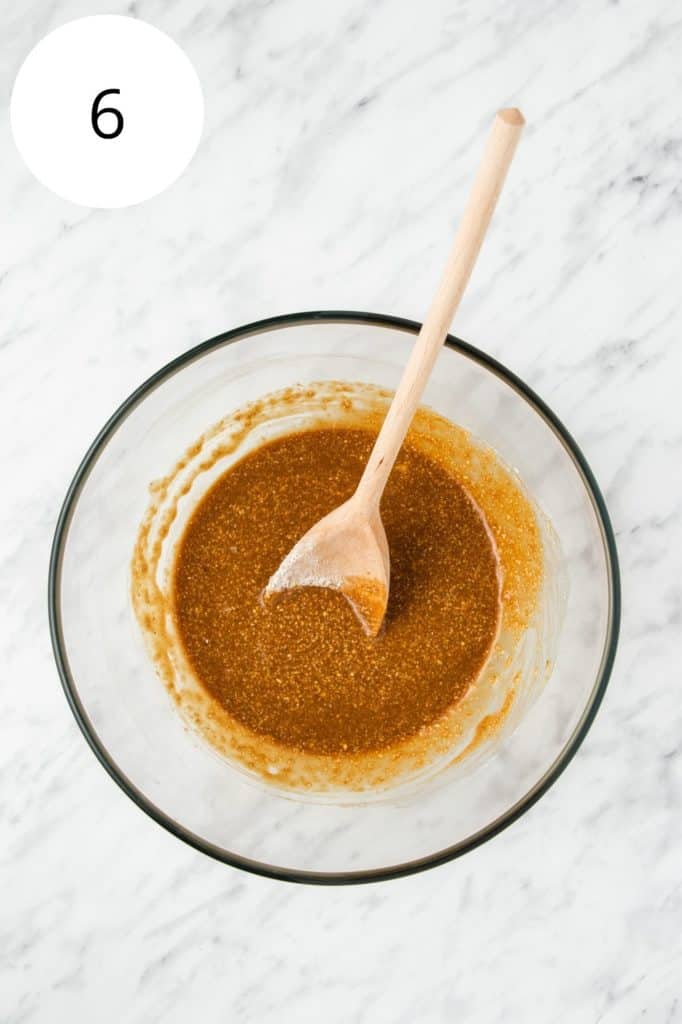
<point x="339" y="142"/>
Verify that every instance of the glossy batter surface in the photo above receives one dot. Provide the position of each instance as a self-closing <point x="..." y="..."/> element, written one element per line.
<point x="301" y="671"/>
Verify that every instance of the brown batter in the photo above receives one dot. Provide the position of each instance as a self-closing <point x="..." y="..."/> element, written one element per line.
<point x="301" y="672"/>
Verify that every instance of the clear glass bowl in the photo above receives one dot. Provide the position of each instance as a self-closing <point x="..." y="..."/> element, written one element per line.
<point x="123" y="709"/>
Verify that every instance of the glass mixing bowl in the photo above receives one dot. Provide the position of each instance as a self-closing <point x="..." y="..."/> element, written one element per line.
<point x="123" y="709"/>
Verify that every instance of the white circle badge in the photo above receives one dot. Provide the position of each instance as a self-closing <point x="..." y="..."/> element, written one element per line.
<point x="107" y="111"/>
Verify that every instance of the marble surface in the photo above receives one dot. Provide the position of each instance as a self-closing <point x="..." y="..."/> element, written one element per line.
<point x="338" y="144"/>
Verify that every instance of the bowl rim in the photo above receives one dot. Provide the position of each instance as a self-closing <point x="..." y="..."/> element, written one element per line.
<point x="442" y="856"/>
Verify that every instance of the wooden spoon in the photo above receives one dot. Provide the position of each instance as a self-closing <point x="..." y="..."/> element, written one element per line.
<point x="348" y="550"/>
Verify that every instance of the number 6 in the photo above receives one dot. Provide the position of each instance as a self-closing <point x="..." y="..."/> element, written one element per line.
<point x="95" y="115"/>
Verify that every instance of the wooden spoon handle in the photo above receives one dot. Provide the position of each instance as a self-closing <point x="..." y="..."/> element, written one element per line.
<point x="478" y="212"/>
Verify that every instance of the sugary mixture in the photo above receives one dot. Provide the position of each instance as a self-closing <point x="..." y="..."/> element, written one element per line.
<point x="301" y="671"/>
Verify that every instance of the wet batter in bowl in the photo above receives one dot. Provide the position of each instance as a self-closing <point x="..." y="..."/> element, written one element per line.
<point x="295" y="693"/>
<point x="301" y="672"/>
